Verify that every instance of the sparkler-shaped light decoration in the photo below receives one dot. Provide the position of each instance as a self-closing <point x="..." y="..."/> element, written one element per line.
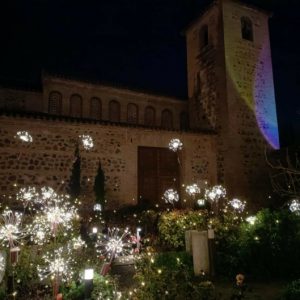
<point x="24" y="136"/>
<point x="171" y="196"/>
<point x="40" y="230"/>
<point x="192" y="189"/>
<point x="175" y="145"/>
<point x="115" y="243"/>
<point x="237" y="204"/>
<point x="47" y="193"/>
<point x="251" y="220"/>
<point x="57" y="265"/>
<point x="27" y="195"/>
<point x="294" y="206"/>
<point x="11" y="230"/>
<point x="87" y="141"/>
<point x="215" y="193"/>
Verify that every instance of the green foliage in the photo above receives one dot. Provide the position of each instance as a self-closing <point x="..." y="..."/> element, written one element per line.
<point x="73" y="291"/>
<point x="172" y="226"/>
<point x="99" y="186"/>
<point x="74" y="184"/>
<point x="170" y="276"/>
<point x="292" y="291"/>
<point x="104" y="287"/>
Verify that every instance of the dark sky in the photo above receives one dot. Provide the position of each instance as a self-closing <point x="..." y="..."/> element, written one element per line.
<point x="135" y="43"/>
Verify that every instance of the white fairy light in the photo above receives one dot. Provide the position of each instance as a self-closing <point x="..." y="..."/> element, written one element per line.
<point x="115" y="243"/>
<point x="47" y="193"/>
<point x="11" y="230"/>
<point x="251" y="220"/>
<point x="24" y="136"/>
<point x="87" y="141"/>
<point x="215" y="193"/>
<point x="171" y="196"/>
<point x="294" y="206"/>
<point x="201" y="202"/>
<point x="77" y="243"/>
<point x="57" y="265"/>
<point x="192" y="189"/>
<point x="237" y="204"/>
<point x="175" y="145"/>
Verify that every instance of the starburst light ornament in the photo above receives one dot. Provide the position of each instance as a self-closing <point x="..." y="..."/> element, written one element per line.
<point x="87" y="141"/>
<point x="215" y="193"/>
<point x="27" y="195"/>
<point x="24" y="136"/>
<point x="192" y="189"/>
<point x="11" y="231"/>
<point x="57" y="265"/>
<point x="294" y="206"/>
<point x="171" y="196"/>
<point x="237" y="204"/>
<point x="175" y="145"/>
<point x="47" y="193"/>
<point x="115" y="243"/>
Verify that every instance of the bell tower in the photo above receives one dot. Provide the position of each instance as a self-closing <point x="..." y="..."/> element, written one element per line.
<point x="231" y="91"/>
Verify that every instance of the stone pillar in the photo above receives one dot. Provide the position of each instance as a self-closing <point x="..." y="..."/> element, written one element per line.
<point x="200" y="252"/>
<point x="188" y="241"/>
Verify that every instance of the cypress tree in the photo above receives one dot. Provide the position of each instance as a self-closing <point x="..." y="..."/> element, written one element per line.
<point x="74" y="184"/>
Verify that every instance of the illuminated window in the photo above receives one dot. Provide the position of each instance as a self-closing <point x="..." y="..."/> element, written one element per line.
<point x="95" y="108"/>
<point x="55" y="103"/>
<point x="114" y="111"/>
<point x="132" y="113"/>
<point x="150" y="116"/>
<point x="203" y="36"/>
<point x="166" y="119"/>
<point x="76" y="106"/>
<point x="247" y="29"/>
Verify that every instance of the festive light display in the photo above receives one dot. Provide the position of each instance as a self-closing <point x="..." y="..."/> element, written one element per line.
<point x="215" y="193"/>
<point x="57" y="265"/>
<point x="294" y="206"/>
<point x="171" y="196"/>
<point x="251" y="220"/>
<point x="97" y="207"/>
<point x="24" y="136"/>
<point x="76" y="243"/>
<point x="201" y="202"/>
<point x="47" y="193"/>
<point x="115" y="243"/>
<point x="27" y="195"/>
<point x="87" y="142"/>
<point x="192" y="189"/>
<point x="11" y="230"/>
<point x="237" y="204"/>
<point x="175" y="145"/>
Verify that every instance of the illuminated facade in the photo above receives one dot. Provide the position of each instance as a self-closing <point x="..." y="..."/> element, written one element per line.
<point x="225" y="125"/>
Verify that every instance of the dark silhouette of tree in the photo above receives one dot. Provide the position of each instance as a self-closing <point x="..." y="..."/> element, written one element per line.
<point x="99" y="186"/>
<point x="74" y="184"/>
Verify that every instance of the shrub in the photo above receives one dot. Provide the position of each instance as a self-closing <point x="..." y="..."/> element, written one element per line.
<point x="292" y="291"/>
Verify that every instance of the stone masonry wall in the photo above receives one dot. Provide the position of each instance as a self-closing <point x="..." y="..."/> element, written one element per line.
<point x="48" y="159"/>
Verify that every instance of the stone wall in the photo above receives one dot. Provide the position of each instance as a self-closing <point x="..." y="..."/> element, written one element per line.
<point x="48" y="159"/>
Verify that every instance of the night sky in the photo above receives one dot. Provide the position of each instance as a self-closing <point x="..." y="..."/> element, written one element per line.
<point x="133" y="43"/>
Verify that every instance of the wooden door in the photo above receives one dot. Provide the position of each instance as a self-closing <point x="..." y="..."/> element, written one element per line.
<point x="158" y="170"/>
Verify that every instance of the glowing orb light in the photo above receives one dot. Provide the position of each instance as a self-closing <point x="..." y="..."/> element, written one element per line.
<point x="115" y="243"/>
<point x="24" y="136"/>
<point x="171" y="196"/>
<point x="11" y="230"/>
<point x="175" y="145"/>
<point x="215" y="193"/>
<point x="97" y="207"/>
<point x="192" y="189"/>
<point x="251" y="220"/>
<point x="201" y="202"/>
<point x="87" y="141"/>
<point x="237" y="204"/>
<point x="294" y="206"/>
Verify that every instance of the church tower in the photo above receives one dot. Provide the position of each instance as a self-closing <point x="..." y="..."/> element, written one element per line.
<point x="231" y="91"/>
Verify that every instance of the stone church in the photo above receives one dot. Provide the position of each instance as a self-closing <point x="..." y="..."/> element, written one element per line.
<point x="226" y="124"/>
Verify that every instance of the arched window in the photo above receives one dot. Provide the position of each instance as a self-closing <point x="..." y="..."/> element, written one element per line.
<point x="203" y="36"/>
<point x="149" y="116"/>
<point x="184" y="121"/>
<point x="246" y="28"/>
<point x="166" y="119"/>
<point x="95" y="108"/>
<point x="55" y="103"/>
<point x="132" y="113"/>
<point x="76" y="106"/>
<point x="114" y="111"/>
